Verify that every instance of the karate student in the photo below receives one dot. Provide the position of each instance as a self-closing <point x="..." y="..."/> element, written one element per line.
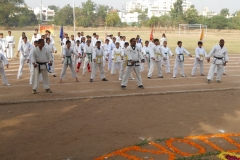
<point x="118" y="39"/>
<point x="124" y="63"/>
<point x="10" y="45"/>
<point x="139" y="39"/>
<point x="117" y="60"/>
<point x="98" y="56"/>
<point x="72" y="41"/>
<point x="151" y="44"/>
<point x="30" y="62"/>
<point x="79" y="37"/>
<point x="224" y="71"/>
<point x="24" y="49"/>
<point x="220" y="59"/>
<point x="3" y="61"/>
<point x="36" y="36"/>
<point x="156" y="57"/>
<point x="163" y="39"/>
<point x="77" y="48"/>
<point x="106" y="50"/>
<point x="21" y="39"/>
<point x="179" y="61"/>
<point x="122" y="43"/>
<point x="82" y="46"/>
<point x="3" y="45"/>
<point x="111" y="47"/>
<point x="67" y="55"/>
<point x="167" y="52"/>
<point x="146" y="55"/>
<point x="48" y="35"/>
<point x="200" y="55"/>
<point x="88" y="51"/>
<point x="52" y="49"/>
<point x="40" y="57"/>
<point x="134" y="55"/>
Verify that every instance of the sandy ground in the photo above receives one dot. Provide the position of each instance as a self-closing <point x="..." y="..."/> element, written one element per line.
<point x="88" y="128"/>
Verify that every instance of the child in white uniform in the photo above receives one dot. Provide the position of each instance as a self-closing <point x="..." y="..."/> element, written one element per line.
<point x="116" y="59"/>
<point x="146" y="50"/>
<point x="167" y="52"/>
<point x="3" y="61"/>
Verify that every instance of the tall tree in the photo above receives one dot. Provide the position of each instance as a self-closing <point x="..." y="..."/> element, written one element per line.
<point x="191" y="15"/>
<point x="224" y="12"/>
<point x="87" y="17"/>
<point x="113" y="19"/>
<point x="177" y="10"/>
<point x="9" y="10"/>
<point x="64" y="16"/>
<point x="53" y="7"/>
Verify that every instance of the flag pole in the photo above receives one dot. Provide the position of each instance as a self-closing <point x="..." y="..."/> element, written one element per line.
<point x="74" y="21"/>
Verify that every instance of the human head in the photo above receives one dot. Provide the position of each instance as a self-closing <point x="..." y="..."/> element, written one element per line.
<point x="23" y="34"/>
<point x="133" y="41"/>
<point x="43" y="37"/>
<point x="67" y="38"/>
<point x="72" y="37"/>
<point x="82" y="33"/>
<point x="97" y="36"/>
<point x="24" y="39"/>
<point x="88" y="42"/>
<point x="68" y="43"/>
<point x="41" y="43"/>
<point x="124" y="38"/>
<point x="126" y="44"/>
<point x="9" y="33"/>
<point x="146" y="43"/>
<point x="138" y="36"/>
<point x="179" y="43"/>
<point x="111" y="36"/>
<point x="107" y="41"/>
<point x="163" y="35"/>
<point x="83" y="39"/>
<point x="117" y="45"/>
<point x="165" y="43"/>
<point x="35" y="43"/>
<point x="94" y="34"/>
<point x="119" y="34"/>
<point x="221" y="42"/>
<point x="35" y="35"/>
<point x="1" y="35"/>
<point x="79" y="34"/>
<point x="156" y="41"/>
<point x="78" y="42"/>
<point x="200" y="43"/>
<point x="36" y="31"/>
<point x="65" y="35"/>
<point x="98" y="44"/>
<point x="114" y="39"/>
<point x="48" y="40"/>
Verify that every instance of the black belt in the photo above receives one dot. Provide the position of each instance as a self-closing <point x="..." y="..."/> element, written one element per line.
<point x="40" y="63"/>
<point x="218" y="57"/>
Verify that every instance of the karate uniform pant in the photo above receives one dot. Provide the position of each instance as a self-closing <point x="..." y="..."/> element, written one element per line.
<point x="53" y="66"/>
<point x="167" y="65"/>
<point x="143" y="64"/>
<point x="224" y="71"/>
<point x="110" y="61"/>
<point x="86" y="61"/>
<point x="10" y="51"/>
<point x="36" y="74"/>
<point x="176" y="65"/>
<point x="22" y="62"/>
<point x="219" y="68"/>
<point x="122" y="71"/>
<point x="128" y="73"/>
<point x="159" y="67"/>
<point x="64" y="69"/>
<point x="116" y="65"/>
<point x="94" y="70"/>
<point x="3" y="74"/>
<point x="195" y="65"/>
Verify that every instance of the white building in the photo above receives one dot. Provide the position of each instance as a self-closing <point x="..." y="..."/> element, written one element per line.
<point x="137" y="4"/>
<point x="162" y="7"/>
<point x="128" y="17"/>
<point x="45" y="11"/>
<point x="206" y="13"/>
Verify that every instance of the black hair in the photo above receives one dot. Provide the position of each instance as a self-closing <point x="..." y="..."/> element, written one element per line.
<point x="94" y="33"/>
<point x="126" y="43"/>
<point x="221" y="40"/>
<point x="9" y="32"/>
<point x="47" y="39"/>
<point x="35" y="42"/>
<point x="107" y="40"/>
<point x="98" y="42"/>
<point x="1" y="34"/>
<point x="132" y="39"/>
<point x="68" y="41"/>
<point x="40" y="40"/>
<point x="121" y="36"/>
<point x="147" y="41"/>
<point x="179" y="42"/>
<point x="36" y="29"/>
<point x="200" y="43"/>
<point x="117" y="43"/>
<point x="78" y="41"/>
<point x="24" y="37"/>
<point x="156" y="40"/>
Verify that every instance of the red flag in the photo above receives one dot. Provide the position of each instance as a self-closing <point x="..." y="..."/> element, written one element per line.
<point x="151" y="34"/>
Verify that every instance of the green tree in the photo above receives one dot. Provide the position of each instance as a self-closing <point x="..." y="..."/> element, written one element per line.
<point x="191" y="15"/>
<point x="153" y="21"/>
<point x="64" y="16"/>
<point x="26" y="17"/>
<point x="177" y="10"/>
<point x="217" y="22"/>
<point x="113" y="19"/>
<point x="224" y="12"/>
<point x="9" y="10"/>
<point x="53" y="7"/>
<point x="101" y="14"/>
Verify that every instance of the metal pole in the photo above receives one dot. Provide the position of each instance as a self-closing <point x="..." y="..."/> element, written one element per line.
<point x="74" y="21"/>
<point x="40" y="11"/>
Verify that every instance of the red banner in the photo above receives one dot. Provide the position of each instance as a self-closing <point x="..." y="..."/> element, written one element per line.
<point x="43" y="28"/>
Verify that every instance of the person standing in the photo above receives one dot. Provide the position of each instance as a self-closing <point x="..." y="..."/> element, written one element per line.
<point x="179" y="61"/>
<point x="220" y="59"/>
<point x="3" y="61"/>
<point x="3" y="45"/>
<point x="163" y="39"/>
<point x="24" y="49"/>
<point x="67" y="55"/>
<point x="146" y="50"/>
<point x="134" y="55"/>
<point x="117" y="60"/>
<point x="40" y="57"/>
<point x="111" y="47"/>
<point x="36" y="36"/>
<point x="88" y="51"/>
<point x="167" y="52"/>
<point x="98" y="56"/>
<point x="200" y="55"/>
<point x="10" y="45"/>
<point x="52" y="49"/>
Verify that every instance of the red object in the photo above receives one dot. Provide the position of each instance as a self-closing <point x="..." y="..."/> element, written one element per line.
<point x="89" y="68"/>
<point x="151" y="34"/>
<point x="78" y="66"/>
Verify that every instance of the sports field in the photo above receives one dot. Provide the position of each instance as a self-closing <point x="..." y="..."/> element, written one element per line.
<point x="86" y="121"/>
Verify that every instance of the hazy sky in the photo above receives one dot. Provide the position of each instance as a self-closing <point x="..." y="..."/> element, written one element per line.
<point x="213" y="5"/>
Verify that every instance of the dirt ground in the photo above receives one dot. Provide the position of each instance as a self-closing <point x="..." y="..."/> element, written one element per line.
<point x="99" y="121"/>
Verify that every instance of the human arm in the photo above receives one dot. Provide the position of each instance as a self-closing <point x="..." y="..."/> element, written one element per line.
<point x="186" y="52"/>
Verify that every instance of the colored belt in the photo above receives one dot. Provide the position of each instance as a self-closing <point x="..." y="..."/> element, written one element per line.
<point x="115" y="56"/>
<point x="89" y="56"/>
<point x="67" y="58"/>
<point x="45" y="63"/>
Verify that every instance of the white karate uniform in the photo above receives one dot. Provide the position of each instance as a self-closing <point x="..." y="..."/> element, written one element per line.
<point x="72" y="43"/>
<point x="118" y="39"/>
<point x="41" y="57"/>
<point x="67" y="53"/>
<point x="151" y="44"/>
<point x="122" y="44"/>
<point x="163" y="39"/>
<point x="220" y="57"/>
<point x="133" y="55"/>
<point x="88" y="50"/>
<point x="20" y="41"/>
<point x="116" y="64"/>
<point x="3" y="47"/>
<point x="76" y="58"/>
<point x="167" y="52"/>
<point x="24" y="50"/>
<point x="179" y="62"/>
<point x="79" y="38"/>
<point x="124" y="64"/>
<point x="3" y="61"/>
<point x="200" y="55"/>
<point x="38" y="36"/>
<point x="10" y="44"/>
<point x="98" y="56"/>
<point x="156" y="54"/>
<point x="52" y="49"/>
<point x="106" y="51"/>
<point x="111" y="47"/>
<point x="146" y="55"/>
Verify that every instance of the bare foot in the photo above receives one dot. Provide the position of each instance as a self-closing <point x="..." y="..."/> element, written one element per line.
<point x="60" y="81"/>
